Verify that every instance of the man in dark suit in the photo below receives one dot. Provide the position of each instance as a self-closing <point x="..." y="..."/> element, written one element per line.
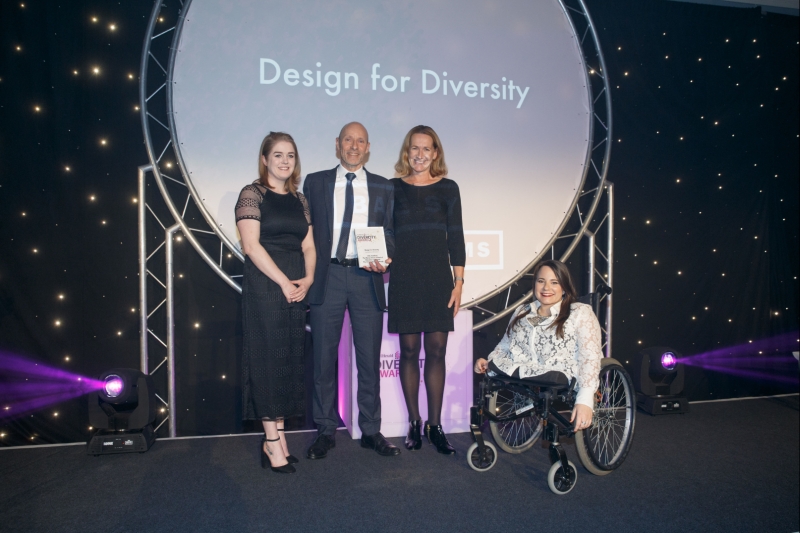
<point x="342" y="199"/>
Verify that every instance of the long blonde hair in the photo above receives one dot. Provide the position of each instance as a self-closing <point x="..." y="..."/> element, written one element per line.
<point x="438" y="167"/>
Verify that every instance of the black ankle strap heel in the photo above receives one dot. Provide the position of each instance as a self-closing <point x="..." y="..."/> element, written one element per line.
<point x="285" y="469"/>
<point x="291" y="458"/>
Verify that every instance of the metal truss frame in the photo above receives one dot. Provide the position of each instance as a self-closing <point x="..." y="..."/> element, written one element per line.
<point x="192" y="220"/>
<point x="157" y="322"/>
<point x="147" y="278"/>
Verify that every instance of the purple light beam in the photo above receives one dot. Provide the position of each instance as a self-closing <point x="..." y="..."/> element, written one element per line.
<point x="27" y="386"/>
<point x="763" y="360"/>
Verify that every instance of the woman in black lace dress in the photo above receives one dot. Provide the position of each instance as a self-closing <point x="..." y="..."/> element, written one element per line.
<point x="273" y="221"/>
<point x="427" y="275"/>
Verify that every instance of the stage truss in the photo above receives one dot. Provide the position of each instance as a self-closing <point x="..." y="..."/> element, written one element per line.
<point x="587" y="223"/>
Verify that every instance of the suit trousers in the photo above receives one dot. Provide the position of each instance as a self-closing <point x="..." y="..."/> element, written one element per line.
<point x="351" y="288"/>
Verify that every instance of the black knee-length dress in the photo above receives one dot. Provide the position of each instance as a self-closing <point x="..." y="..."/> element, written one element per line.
<point x="429" y="240"/>
<point x="273" y="368"/>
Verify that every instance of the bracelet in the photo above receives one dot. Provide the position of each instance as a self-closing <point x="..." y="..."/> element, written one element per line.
<point x="458" y="278"/>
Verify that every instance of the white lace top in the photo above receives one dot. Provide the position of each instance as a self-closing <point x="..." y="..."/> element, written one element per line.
<point x="533" y="347"/>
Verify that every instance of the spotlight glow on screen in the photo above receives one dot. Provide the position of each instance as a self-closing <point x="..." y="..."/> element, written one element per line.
<point x="503" y="83"/>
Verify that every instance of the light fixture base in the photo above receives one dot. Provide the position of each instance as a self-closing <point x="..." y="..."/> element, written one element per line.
<point x="106" y="441"/>
<point x="662" y="405"/>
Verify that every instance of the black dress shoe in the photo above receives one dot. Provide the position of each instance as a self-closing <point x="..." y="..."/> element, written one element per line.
<point x="437" y="438"/>
<point x="414" y="439"/>
<point x="379" y="443"/>
<point x="321" y="445"/>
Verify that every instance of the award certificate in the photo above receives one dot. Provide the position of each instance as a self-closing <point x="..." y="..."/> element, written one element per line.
<point x="370" y="245"/>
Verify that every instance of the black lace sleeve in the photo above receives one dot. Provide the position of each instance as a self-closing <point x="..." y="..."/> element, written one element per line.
<point x="306" y="209"/>
<point x="249" y="204"/>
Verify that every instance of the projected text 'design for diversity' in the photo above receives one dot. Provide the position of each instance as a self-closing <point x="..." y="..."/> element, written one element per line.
<point x="429" y="82"/>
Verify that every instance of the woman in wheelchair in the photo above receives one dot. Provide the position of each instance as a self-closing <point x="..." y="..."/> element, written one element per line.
<point x="555" y="338"/>
<point x="551" y="353"/>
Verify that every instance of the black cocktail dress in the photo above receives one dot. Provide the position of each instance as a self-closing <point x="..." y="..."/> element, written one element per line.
<point x="273" y="384"/>
<point x="429" y="240"/>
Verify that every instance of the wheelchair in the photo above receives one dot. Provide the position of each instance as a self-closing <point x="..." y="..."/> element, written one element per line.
<point x="520" y="411"/>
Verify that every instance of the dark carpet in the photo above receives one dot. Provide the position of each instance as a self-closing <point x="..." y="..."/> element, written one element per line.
<point x="729" y="466"/>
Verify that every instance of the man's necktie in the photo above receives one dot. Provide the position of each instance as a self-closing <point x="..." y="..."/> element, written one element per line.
<point x="344" y="236"/>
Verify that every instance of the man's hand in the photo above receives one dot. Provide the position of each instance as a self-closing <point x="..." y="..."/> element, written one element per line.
<point x="376" y="266"/>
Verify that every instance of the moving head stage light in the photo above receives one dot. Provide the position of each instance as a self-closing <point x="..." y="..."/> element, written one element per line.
<point x="658" y="379"/>
<point x="123" y="411"/>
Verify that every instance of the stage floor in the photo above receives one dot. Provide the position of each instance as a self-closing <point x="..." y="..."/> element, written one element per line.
<point x="727" y="466"/>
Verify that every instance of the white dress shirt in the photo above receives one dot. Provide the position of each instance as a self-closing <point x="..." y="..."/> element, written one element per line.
<point x="360" y="208"/>
<point x="536" y="349"/>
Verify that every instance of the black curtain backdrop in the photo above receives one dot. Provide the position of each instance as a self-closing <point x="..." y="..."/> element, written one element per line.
<point x="705" y="164"/>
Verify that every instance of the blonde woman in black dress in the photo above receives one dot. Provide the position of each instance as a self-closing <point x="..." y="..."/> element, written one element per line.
<point x="274" y="223"/>
<point x="427" y="276"/>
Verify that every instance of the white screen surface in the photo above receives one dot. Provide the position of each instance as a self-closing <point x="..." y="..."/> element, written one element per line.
<point x="248" y="67"/>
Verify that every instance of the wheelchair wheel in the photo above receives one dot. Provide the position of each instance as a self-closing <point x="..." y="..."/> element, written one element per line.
<point x="561" y="482"/>
<point x="604" y="446"/>
<point x="478" y="463"/>
<point x="517" y="435"/>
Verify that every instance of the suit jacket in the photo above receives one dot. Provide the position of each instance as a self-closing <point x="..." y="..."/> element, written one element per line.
<point x="318" y="189"/>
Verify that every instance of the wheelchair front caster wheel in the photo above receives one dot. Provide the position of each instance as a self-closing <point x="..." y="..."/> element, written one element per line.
<point x="478" y="463"/>
<point x="561" y="482"/>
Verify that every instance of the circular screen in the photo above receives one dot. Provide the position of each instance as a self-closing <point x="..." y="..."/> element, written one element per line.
<point x="502" y="83"/>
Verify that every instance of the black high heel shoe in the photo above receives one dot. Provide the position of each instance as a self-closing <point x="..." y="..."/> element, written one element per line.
<point x="437" y="438"/>
<point x="414" y="439"/>
<point x="291" y="458"/>
<point x="265" y="462"/>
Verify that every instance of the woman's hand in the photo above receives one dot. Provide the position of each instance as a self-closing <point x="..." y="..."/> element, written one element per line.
<point x="481" y="366"/>
<point x="300" y="290"/>
<point x="455" y="299"/>
<point x="581" y="416"/>
<point x="287" y="289"/>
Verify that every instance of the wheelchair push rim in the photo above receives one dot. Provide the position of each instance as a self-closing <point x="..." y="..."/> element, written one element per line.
<point x="518" y="434"/>
<point x="605" y="444"/>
